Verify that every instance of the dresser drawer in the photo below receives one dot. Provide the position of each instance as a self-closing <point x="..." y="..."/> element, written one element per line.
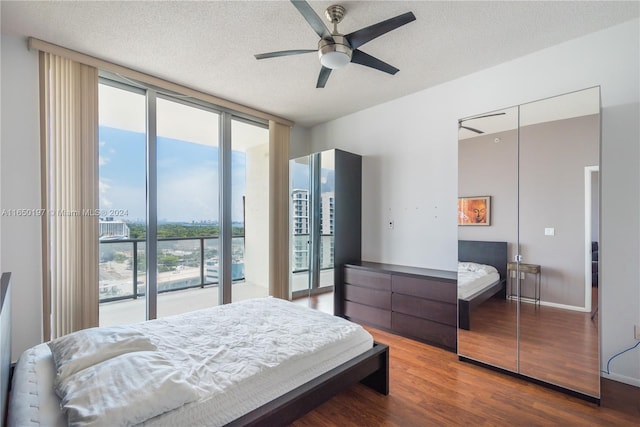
<point x="426" y="309"/>
<point x="369" y="315"/>
<point x="368" y="296"/>
<point x="425" y="330"/>
<point x="369" y="279"/>
<point x="426" y="288"/>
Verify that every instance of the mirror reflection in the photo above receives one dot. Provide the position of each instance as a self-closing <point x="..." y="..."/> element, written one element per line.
<point x="312" y="187"/>
<point x="487" y="167"/>
<point x="536" y="168"/>
<point x="558" y="225"/>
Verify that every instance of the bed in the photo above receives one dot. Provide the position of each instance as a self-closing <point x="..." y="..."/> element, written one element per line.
<point x="5" y="342"/>
<point x="255" y="362"/>
<point x="492" y="254"/>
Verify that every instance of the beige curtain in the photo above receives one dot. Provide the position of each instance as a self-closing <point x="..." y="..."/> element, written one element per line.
<point x="69" y="142"/>
<point x="279" y="136"/>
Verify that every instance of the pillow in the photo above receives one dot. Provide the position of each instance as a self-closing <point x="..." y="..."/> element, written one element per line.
<point x="79" y="350"/>
<point x="125" y="390"/>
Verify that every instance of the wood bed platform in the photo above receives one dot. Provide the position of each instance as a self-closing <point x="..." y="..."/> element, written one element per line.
<point x="490" y="253"/>
<point x="370" y="368"/>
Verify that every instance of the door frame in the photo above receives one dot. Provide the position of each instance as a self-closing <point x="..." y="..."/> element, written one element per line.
<point x="589" y="172"/>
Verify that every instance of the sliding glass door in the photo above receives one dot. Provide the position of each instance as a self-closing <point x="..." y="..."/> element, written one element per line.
<point x="187" y="206"/>
<point x="312" y="219"/>
<point x="122" y="210"/>
<point x="192" y="182"/>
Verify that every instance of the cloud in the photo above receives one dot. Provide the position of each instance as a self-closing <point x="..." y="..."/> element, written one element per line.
<point x="188" y="194"/>
<point x="102" y="160"/>
<point x="103" y="189"/>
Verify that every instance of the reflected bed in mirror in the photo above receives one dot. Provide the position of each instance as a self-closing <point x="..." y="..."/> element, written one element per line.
<point x="473" y="287"/>
<point x="486" y="317"/>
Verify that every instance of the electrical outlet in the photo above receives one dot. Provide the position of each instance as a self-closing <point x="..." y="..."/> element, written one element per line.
<point x="636" y="331"/>
<point x="390" y="223"/>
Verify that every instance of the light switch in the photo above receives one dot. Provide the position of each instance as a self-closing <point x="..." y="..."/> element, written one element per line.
<point x="549" y="231"/>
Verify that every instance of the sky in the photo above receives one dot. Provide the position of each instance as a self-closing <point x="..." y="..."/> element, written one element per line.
<point x="187" y="178"/>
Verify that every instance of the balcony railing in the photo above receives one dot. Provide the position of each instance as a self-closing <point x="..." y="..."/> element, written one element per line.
<point x="300" y="259"/>
<point x="183" y="263"/>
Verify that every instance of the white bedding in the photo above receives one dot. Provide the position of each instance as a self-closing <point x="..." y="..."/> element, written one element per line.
<point x="473" y="278"/>
<point x="234" y="357"/>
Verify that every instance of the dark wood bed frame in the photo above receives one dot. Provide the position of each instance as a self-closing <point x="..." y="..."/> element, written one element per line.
<point x="490" y="253"/>
<point x="5" y="344"/>
<point x="370" y="368"/>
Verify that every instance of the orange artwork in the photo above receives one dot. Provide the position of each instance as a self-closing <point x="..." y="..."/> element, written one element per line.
<point x="474" y="210"/>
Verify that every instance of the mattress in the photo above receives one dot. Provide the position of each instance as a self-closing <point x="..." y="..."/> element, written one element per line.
<point x="236" y="356"/>
<point x="475" y="278"/>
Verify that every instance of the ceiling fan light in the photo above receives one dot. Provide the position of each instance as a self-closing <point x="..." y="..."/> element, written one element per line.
<point x="334" y="53"/>
<point x="335" y="59"/>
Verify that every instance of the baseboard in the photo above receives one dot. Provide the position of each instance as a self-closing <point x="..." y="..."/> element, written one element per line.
<point x="552" y="304"/>
<point x="622" y="379"/>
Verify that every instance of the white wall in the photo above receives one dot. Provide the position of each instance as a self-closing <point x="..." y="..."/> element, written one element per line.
<point x="256" y="264"/>
<point x="300" y="142"/>
<point x="20" y="178"/>
<point x="410" y="166"/>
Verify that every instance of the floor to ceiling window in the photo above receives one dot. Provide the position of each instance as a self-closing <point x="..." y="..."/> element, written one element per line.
<point x="187" y="205"/>
<point x="164" y="168"/>
<point x="122" y="193"/>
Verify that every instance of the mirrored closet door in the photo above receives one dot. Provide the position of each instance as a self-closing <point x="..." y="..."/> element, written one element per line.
<point x="536" y="169"/>
<point x="325" y="221"/>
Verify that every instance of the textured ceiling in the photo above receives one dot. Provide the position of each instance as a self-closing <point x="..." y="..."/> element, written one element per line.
<point x="209" y="45"/>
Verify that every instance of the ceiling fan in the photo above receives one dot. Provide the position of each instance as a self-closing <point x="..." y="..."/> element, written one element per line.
<point x="460" y="126"/>
<point x="337" y="50"/>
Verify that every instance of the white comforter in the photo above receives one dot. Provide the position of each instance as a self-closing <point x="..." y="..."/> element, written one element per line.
<point x="474" y="278"/>
<point x="209" y="367"/>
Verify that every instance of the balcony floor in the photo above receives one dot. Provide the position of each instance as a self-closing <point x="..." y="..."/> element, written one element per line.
<point x="169" y="303"/>
<point x="176" y="302"/>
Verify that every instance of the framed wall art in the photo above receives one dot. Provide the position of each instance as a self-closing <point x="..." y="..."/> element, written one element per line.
<point x="474" y="210"/>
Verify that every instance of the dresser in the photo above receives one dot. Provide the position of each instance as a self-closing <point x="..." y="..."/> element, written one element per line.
<point x="417" y="303"/>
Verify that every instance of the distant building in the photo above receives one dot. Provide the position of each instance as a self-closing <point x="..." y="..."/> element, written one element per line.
<point x="326" y="213"/>
<point x="300" y="230"/>
<point x="108" y="229"/>
<point x="300" y="212"/>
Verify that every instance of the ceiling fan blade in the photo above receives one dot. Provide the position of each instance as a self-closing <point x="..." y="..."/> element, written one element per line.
<point x="359" y="57"/>
<point x="483" y="116"/>
<point x="364" y="35"/>
<point x="471" y="129"/>
<point x="323" y="77"/>
<point x="284" y="53"/>
<point x="313" y="19"/>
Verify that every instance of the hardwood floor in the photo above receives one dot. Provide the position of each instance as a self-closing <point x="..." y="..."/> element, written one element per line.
<point x="555" y="345"/>
<point x="561" y="347"/>
<point x="322" y="302"/>
<point x="431" y="387"/>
